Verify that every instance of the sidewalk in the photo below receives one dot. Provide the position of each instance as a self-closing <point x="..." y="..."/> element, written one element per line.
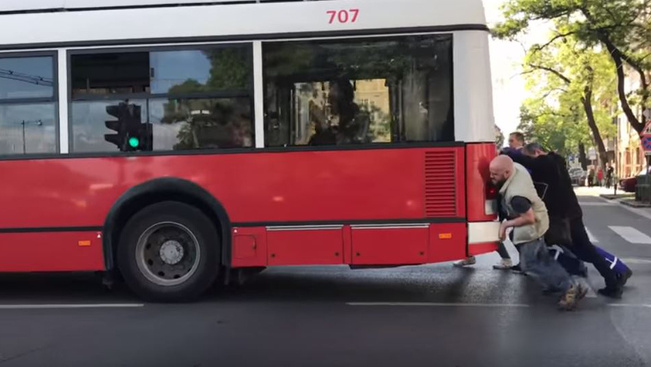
<point x="602" y="192"/>
<point x="625" y="199"/>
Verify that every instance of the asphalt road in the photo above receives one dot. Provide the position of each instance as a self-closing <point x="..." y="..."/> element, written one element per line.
<point x="332" y="316"/>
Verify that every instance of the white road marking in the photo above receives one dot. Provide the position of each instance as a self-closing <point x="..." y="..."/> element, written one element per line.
<point x="591" y="293"/>
<point x="637" y="261"/>
<point x="489" y="305"/>
<point x="628" y="305"/>
<point x="631" y="235"/>
<point x="434" y="304"/>
<point x="68" y="306"/>
<point x="592" y="238"/>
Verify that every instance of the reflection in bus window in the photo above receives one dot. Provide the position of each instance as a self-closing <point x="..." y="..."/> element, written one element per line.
<point x="340" y="92"/>
<point x="193" y="99"/>
<point x="27" y="128"/>
<point x="27" y="105"/>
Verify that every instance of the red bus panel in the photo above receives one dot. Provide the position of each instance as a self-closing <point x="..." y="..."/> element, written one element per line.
<point x="249" y="247"/>
<point x="447" y="242"/>
<point x="305" y="247"/>
<point x="377" y="184"/>
<point x="257" y="189"/>
<point x="390" y="246"/>
<point x="478" y="158"/>
<point x="51" y="251"/>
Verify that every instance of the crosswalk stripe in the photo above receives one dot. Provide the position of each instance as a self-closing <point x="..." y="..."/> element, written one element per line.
<point x="631" y="235"/>
<point x="592" y="238"/>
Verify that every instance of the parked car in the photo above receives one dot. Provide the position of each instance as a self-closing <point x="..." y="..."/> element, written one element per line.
<point x="629" y="184"/>
<point x="578" y="176"/>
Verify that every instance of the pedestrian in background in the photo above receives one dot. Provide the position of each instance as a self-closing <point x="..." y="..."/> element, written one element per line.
<point x="590" y="176"/>
<point x="609" y="175"/>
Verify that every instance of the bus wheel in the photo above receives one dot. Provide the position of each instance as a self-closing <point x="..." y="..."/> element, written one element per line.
<point x="169" y="252"/>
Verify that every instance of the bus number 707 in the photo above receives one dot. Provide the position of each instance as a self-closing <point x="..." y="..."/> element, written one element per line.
<point x="343" y="16"/>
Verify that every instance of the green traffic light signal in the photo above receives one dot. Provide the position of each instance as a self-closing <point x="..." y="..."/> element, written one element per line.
<point x="134" y="142"/>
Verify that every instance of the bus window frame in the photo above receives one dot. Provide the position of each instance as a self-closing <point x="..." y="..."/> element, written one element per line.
<point x="243" y="93"/>
<point x="54" y="99"/>
<point x="450" y="35"/>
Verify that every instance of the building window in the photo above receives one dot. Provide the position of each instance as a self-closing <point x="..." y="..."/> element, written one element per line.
<point x="179" y="99"/>
<point x="28" y="113"/>
<point x="359" y="91"/>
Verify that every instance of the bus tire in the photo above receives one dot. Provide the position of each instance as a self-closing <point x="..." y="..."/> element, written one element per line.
<point x="169" y="252"/>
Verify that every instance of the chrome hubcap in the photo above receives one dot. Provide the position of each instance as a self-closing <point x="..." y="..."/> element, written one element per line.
<point x="171" y="252"/>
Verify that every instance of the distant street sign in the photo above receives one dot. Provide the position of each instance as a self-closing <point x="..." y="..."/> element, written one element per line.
<point x="592" y="154"/>
<point x="646" y="138"/>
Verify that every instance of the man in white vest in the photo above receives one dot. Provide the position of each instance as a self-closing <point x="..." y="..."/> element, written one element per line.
<point x="527" y="215"/>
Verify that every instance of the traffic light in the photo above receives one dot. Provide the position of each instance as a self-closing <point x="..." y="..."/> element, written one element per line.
<point x="119" y="126"/>
<point x="131" y="133"/>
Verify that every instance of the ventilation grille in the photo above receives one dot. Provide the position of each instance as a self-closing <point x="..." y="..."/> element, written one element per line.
<point x="440" y="184"/>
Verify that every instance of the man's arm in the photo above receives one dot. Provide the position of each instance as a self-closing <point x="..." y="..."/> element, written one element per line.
<point x="523" y="220"/>
<point x="518" y="157"/>
<point x="522" y="206"/>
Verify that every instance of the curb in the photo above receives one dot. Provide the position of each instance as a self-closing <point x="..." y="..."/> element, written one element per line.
<point x="635" y="204"/>
<point x="618" y="197"/>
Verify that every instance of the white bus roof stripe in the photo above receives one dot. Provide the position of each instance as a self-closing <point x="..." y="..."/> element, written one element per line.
<point x="142" y="24"/>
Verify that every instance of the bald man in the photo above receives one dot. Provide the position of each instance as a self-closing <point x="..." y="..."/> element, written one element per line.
<point x="526" y="213"/>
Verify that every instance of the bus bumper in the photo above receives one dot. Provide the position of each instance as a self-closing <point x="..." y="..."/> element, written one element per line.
<point x="483" y="237"/>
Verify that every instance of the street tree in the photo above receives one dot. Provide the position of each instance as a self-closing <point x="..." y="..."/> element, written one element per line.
<point x="573" y="97"/>
<point x="621" y="27"/>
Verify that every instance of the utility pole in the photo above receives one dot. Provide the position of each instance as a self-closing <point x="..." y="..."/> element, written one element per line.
<point x="24" y="124"/>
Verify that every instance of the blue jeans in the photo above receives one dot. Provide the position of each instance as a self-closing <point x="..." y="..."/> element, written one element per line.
<point x="536" y="261"/>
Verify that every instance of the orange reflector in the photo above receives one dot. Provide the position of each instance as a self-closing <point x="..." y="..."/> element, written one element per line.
<point x="445" y="236"/>
<point x="84" y="243"/>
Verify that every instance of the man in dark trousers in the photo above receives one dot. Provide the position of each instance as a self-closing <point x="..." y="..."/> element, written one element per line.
<point x="562" y="203"/>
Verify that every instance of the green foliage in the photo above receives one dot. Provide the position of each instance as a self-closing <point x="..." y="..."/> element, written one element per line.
<point x="206" y="121"/>
<point x="620" y="27"/>
<point x="561" y="78"/>
<point x="499" y="137"/>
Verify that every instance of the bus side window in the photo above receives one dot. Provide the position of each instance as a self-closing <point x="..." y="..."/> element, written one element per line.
<point x="369" y="91"/>
<point x="27" y="105"/>
<point x="194" y="98"/>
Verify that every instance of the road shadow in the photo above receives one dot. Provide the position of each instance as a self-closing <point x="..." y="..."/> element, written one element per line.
<point x="60" y="288"/>
<point x="429" y="283"/>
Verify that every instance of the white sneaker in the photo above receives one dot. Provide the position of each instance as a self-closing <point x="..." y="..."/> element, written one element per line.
<point x="505" y="264"/>
<point x="465" y="262"/>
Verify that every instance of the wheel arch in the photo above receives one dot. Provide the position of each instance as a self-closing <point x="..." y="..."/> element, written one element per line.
<point x="157" y="190"/>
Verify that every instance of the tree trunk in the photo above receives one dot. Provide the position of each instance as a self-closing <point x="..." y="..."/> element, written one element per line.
<point x="583" y="158"/>
<point x="617" y="56"/>
<point x="587" y="106"/>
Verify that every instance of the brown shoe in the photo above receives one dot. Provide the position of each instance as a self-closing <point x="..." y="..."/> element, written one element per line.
<point x="570" y="298"/>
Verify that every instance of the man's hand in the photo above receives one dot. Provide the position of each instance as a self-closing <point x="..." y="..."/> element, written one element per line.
<point x="503" y="227"/>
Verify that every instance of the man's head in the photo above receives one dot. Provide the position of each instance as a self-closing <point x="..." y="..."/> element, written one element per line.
<point x="533" y="150"/>
<point x="516" y="140"/>
<point x="501" y="168"/>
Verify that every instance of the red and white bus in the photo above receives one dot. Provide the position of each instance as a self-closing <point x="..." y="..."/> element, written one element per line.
<point x="174" y="141"/>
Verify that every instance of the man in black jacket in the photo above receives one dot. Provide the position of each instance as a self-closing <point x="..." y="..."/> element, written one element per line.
<point x="563" y="205"/>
